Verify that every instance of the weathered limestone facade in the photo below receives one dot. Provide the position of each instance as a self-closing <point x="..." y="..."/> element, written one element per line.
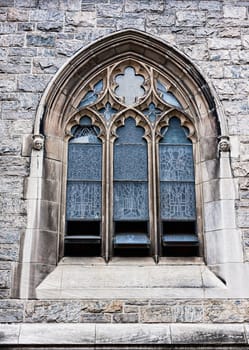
<point x="46" y="47"/>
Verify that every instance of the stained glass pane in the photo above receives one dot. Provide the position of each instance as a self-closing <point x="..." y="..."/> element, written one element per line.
<point x="108" y="111"/>
<point x="130" y="133"/>
<point x="176" y="163"/>
<point x="85" y="121"/>
<point x="175" y="133"/>
<point x="131" y="239"/>
<point x="130" y="86"/>
<point x="84" y="200"/>
<point x="166" y="95"/>
<point x="130" y="201"/>
<point x="177" y="200"/>
<point x="84" y="161"/>
<point x="177" y="186"/>
<point x="152" y="112"/>
<point x="85" y="166"/>
<point x="130" y="173"/>
<point x="130" y="162"/>
<point x="92" y="95"/>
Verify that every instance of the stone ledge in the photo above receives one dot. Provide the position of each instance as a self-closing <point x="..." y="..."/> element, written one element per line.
<point x="124" y="334"/>
<point x="142" y="279"/>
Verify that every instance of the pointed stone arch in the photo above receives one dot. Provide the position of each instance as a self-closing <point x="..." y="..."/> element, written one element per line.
<point x="57" y="110"/>
<point x="61" y="95"/>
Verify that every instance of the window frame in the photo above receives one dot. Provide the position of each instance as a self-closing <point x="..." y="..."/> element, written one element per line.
<point x="152" y="136"/>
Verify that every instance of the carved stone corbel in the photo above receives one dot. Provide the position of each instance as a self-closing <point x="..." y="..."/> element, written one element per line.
<point x="224" y="144"/>
<point x="38" y="142"/>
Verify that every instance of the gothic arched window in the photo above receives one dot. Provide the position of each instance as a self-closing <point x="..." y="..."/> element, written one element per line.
<point x="130" y="178"/>
<point x="129" y="79"/>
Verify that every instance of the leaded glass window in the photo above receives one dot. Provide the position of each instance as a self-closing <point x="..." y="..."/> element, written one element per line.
<point x="177" y="186"/>
<point x="130" y="186"/>
<point x="130" y="178"/>
<point x="84" y="190"/>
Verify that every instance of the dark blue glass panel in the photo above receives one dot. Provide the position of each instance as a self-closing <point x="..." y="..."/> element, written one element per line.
<point x="132" y="239"/>
<point x="85" y="166"/>
<point x="177" y="201"/>
<point x="84" y="162"/>
<point x="130" y="133"/>
<point x="175" y="133"/>
<point x="177" y="186"/>
<point x="91" y="96"/>
<point x="130" y="162"/>
<point x="180" y="237"/>
<point x="85" y="121"/>
<point x="130" y="166"/>
<point x="152" y="112"/>
<point x="176" y="163"/>
<point x="84" y="200"/>
<point x="167" y="96"/>
<point x="131" y="201"/>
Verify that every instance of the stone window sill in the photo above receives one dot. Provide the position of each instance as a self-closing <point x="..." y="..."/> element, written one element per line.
<point x="92" y="278"/>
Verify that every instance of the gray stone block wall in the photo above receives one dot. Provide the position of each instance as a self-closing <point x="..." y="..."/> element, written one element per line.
<point x="159" y="311"/>
<point x="36" y="38"/>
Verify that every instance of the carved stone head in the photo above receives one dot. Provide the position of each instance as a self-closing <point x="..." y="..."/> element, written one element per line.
<point x="38" y="142"/>
<point x="224" y="144"/>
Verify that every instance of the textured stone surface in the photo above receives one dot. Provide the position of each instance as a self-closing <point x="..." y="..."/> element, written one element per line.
<point x="132" y="334"/>
<point x="98" y="336"/>
<point x="11" y="311"/>
<point x="9" y="252"/>
<point x="172" y="312"/>
<point x="227" y="311"/>
<point x="52" y="312"/>
<point x="40" y="40"/>
<point x="4" y="279"/>
<point x="9" y="334"/>
<point x="246" y="244"/>
<point x="207" y="334"/>
<point x="69" y="334"/>
<point x="210" y="311"/>
<point x="31" y="83"/>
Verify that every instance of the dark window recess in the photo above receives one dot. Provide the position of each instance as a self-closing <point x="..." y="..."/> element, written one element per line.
<point x="179" y="238"/>
<point x="131" y="238"/>
<point x="83" y="238"/>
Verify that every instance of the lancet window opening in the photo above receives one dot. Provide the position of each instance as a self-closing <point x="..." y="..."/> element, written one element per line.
<point x="130" y="177"/>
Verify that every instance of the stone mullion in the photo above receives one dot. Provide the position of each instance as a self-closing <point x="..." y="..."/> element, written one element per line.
<point x="153" y="198"/>
<point x="157" y="136"/>
<point x="105" y="200"/>
<point x="109" y="196"/>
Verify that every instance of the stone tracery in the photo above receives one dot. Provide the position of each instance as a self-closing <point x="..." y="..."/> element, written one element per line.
<point x="124" y="93"/>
